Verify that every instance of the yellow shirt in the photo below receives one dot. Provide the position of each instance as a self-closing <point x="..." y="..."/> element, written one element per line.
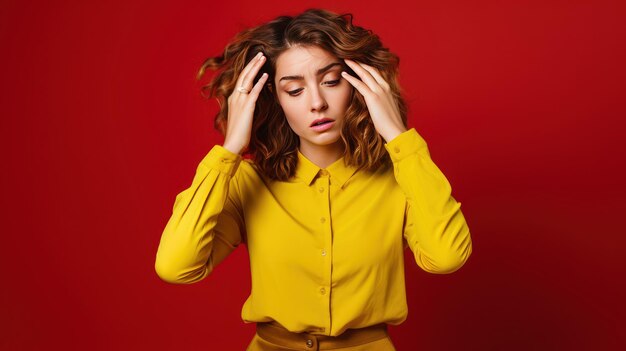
<point x="326" y="247"/>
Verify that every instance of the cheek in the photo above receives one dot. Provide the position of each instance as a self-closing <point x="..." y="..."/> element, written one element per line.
<point x="289" y="109"/>
<point x="342" y="98"/>
<point x="292" y="110"/>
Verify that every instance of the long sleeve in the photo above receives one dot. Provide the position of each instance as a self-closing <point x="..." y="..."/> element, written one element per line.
<point x="206" y="222"/>
<point x="435" y="228"/>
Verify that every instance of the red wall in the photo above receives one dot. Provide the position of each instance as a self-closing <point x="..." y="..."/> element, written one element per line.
<point x="522" y="104"/>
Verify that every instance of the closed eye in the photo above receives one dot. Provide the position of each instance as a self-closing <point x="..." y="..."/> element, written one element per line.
<point x="294" y="92"/>
<point x="331" y="83"/>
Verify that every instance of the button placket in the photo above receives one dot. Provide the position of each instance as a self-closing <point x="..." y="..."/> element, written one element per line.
<point x="324" y="190"/>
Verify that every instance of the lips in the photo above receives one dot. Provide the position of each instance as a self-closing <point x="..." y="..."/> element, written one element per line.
<point x="320" y="121"/>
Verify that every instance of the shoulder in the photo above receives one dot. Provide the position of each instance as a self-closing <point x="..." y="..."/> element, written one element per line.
<point x="248" y="174"/>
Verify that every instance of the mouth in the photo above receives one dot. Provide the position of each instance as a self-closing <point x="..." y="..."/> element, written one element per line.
<point x="323" y="124"/>
<point x="321" y="121"/>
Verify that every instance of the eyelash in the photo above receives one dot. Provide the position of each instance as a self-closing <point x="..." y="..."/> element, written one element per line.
<point x="295" y="92"/>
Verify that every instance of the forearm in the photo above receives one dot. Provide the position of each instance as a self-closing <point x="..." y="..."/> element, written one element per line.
<point x="188" y="238"/>
<point x="435" y="228"/>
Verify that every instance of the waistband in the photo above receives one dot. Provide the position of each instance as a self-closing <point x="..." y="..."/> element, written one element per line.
<point x="278" y="335"/>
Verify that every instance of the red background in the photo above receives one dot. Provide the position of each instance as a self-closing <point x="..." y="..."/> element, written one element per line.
<point x="522" y="105"/>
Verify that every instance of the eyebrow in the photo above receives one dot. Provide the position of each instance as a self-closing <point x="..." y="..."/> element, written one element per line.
<point x="319" y="71"/>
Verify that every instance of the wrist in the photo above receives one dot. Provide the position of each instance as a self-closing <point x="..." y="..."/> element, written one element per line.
<point x="393" y="133"/>
<point x="232" y="148"/>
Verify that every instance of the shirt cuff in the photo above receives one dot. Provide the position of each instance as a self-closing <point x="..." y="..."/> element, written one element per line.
<point x="406" y="143"/>
<point x="222" y="160"/>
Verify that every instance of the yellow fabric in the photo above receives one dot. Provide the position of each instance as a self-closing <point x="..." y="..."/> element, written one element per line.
<point x="326" y="247"/>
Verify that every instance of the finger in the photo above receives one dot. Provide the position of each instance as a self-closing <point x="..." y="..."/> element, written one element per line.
<point x="247" y="78"/>
<point x="247" y="68"/>
<point x="256" y="90"/>
<point x="359" y="85"/>
<point x="374" y="72"/>
<point x="363" y="74"/>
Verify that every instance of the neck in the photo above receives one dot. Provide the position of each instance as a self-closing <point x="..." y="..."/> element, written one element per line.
<point x="322" y="155"/>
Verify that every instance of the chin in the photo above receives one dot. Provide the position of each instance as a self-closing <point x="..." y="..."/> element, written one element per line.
<point x="325" y="139"/>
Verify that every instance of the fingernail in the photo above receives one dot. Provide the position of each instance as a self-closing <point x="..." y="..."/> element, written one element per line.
<point x="259" y="53"/>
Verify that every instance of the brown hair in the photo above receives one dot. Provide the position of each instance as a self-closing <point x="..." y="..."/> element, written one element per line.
<point x="273" y="144"/>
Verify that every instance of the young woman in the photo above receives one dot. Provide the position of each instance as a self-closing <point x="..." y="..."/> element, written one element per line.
<point x="334" y="190"/>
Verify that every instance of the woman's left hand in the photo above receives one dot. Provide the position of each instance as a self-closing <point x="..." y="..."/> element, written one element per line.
<point x="378" y="97"/>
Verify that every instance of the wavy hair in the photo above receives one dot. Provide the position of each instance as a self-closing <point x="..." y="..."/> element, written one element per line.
<point x="273" y="144"/>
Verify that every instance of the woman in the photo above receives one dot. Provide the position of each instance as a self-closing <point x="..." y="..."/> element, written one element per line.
<point x="336" y="187"/>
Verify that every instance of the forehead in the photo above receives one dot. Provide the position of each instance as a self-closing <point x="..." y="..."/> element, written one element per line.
<point x="303" y="60"/>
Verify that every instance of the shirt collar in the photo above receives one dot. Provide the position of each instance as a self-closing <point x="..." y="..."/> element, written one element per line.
<point x="306" y="171"/>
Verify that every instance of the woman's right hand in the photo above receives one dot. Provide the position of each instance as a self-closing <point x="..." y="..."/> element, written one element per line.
<point x="241" y="106"/>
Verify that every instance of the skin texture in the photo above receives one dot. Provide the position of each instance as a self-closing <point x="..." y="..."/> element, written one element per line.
<point x="380" y="102"/>
<point x="241" y="106"/>
<point x="312" y="96"/>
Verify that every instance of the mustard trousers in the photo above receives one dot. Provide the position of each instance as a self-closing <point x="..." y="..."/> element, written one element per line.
<point x="273" y="337"/>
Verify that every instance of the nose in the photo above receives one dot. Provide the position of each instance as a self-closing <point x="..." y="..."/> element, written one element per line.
<point x="318" y="102"/>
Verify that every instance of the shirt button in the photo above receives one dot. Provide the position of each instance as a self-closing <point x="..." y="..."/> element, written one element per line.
<point x="321" y="189"/>
<point x="322" y="219"/>
<point x="323" y="252"/>
<point x="322" y="291"/>
<point x="309" y="343"/>
<point x="396" y="149"/>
